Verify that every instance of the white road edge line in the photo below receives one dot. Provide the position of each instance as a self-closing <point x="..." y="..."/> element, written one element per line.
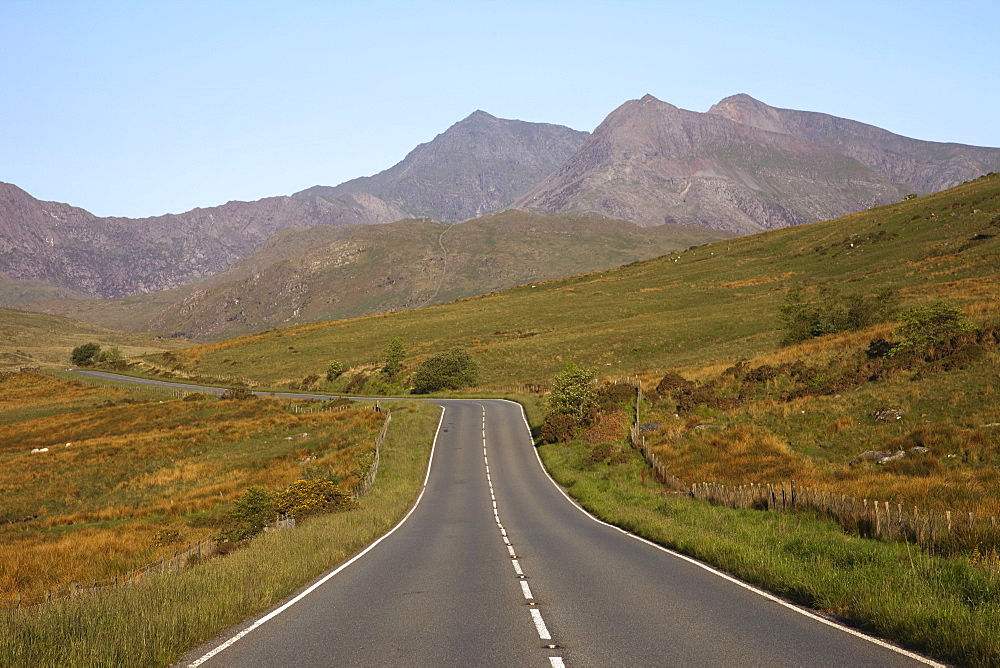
<point x="274" y="613"/>
<point x="724" y="576"/>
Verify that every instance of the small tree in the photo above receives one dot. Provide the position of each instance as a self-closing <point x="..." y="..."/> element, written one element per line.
<point x="335" y="370"/>
<point x="86" y="354"/>
<point x="573" y="392"/>
<point x="394" y="354"/>
<point x="450" y="370"/>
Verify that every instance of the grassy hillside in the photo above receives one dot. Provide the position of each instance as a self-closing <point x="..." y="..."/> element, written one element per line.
<point x="336" y="272"/>
<point x="101" y="481"/>
<point x="698" y="310"/>
<point x="35" y="339"/>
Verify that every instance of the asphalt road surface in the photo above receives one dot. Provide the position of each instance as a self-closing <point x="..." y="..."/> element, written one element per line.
<point x="495" y="566"/>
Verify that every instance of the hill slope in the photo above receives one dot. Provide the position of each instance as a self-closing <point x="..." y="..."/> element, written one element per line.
<point x="475" y="167"/>
<point x="35" y="339"/>
<point x="336" y="272"/>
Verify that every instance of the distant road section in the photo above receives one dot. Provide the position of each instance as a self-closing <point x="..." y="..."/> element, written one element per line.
<point x="496" y="567"/>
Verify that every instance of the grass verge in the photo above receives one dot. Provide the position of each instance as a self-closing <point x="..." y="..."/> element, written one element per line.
<point x="947" y="608"/>
<point x="154" y="623"/>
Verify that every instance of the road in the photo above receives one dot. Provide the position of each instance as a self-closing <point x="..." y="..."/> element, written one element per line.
<point x="496" y="566"/>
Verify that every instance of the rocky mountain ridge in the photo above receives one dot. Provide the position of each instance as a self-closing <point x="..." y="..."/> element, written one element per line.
<point x="745" y="167"/>
<point x="70" y="248"/>
<point x="477" y="166"/>
<point x="741" y="167"/>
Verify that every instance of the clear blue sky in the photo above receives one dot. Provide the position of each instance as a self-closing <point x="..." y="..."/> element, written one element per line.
<point x="137" y="108"/>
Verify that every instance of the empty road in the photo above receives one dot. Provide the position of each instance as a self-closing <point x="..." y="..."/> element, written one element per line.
<point x="495" y="566"/>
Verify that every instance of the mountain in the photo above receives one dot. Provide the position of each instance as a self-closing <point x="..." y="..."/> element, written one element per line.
<point x="70" y="248"/>
<point x="697" y="311"/>
<point x="477" y="166"/>
<point x="323" y="273"/>
<point x="920" y="166"/>
<point x="744" y="167"/>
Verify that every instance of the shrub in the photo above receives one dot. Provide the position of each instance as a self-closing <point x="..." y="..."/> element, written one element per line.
<point x="85" y="355"/>
<point x="573" y="392"/>
<point x="335" y="370"/>
<point x="238" y="394"/>
<point x="395" y="352"/>
<point x="250" y="514"/>
<point x="926" y="326"/>
<point x="611" y="396"/>
<point x="830" y="312"/>
<point x="308" y="497"/>
<point x="450" y="370"/>
<point x="111" y="356"/>
<point x="559" y="428"/>
<point x="357" y="383"/>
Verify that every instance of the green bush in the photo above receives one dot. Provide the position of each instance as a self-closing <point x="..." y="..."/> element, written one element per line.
<point x="335" y="370"/>
<point x="450" y="370"/>
<point x="829" y="312"/>
<point x="926" y="326"/>
<point x="573" y="392"/>
<point x="395" y="353"/>
<point x="112" y="356"/>
<point x="250" y="514"/>
<point x="85" y="355"/>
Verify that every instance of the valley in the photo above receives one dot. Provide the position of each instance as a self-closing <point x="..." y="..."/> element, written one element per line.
<point x="788" y="311"/>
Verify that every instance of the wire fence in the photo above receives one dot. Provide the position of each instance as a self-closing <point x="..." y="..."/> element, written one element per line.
<point x="942" y="531"/>
<point x="362" y="487"/>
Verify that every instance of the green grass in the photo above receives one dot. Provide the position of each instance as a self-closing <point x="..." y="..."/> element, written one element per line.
<point x="943" y="607"/>
<point x="154" y="623"/>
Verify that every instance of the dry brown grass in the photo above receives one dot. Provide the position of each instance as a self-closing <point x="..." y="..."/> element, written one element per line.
<point x="114" y="475"/>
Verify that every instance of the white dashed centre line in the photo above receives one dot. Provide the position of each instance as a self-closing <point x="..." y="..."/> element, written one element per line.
<point x="536" y="614"/>
<point x="543" y="631"/>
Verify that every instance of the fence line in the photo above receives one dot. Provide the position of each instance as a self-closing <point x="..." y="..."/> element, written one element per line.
<point x="511" y="389"/>
<point x="936" y="530"/>
<point x="362" y="487"/>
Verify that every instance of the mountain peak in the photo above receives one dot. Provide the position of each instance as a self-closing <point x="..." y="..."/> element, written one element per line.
<point x="745" y="110"/>
<point x="480" y="115"/>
